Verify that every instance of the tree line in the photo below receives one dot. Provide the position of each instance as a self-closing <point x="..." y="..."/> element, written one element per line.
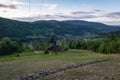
<point x="101" y="46"/>
<point x="110" y="44"/>
<point x="107" y="45"/>
<point x="7" y="46"/>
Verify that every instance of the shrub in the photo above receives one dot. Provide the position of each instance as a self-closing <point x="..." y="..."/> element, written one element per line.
<point x="8" y="47"/>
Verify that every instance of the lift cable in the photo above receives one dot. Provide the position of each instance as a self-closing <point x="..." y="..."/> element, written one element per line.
<point x="29" y="10"/>
<point x="40" y="10"/>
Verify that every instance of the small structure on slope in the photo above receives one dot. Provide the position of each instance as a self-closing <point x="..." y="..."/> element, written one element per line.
<point x="53" y="46"/>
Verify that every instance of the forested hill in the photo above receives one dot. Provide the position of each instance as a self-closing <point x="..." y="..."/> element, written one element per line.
<point x="115" y="34"/>
<point x="14" y="29"/>
<point x="41" y="29"/>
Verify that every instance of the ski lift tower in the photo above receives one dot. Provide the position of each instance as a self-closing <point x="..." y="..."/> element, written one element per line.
<point x="53" y="46"/>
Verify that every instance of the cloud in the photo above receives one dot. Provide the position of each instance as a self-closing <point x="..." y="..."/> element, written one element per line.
<point x="10" y="8"/>
<point x="96" y="10"/>
<point x="50" y="6"/>
<point x="81" y="12"/>
<point x="11" y="4"/>
<point x="67" y="17"/>
<point x="86" y="12"/>
<point x="112" y="15"/>
<point x="55" y="17"/>
<point x="92" y="15"/>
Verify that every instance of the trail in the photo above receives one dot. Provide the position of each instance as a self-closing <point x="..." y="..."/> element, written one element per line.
<point x="44" y="73"/>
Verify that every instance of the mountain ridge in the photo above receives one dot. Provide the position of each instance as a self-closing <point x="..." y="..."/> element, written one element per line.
<point x="41" y="29"/>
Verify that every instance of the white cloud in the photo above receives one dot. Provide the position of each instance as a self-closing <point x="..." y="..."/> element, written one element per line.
<point x="94" y="15"/>
<point x="9" y="8"/>
<point x="11" y="4"/>
<point x="50" y="6"/>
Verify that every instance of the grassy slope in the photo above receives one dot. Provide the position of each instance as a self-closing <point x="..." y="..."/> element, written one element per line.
<point x="28" y="62"/>
<point x="108" y="70"/>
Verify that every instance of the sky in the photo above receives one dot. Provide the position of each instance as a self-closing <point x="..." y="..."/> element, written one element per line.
<point x="104" y="11"/>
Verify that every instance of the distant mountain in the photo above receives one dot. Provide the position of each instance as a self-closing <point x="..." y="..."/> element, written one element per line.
<point x="100" y="27"/>
<point x="41" y="29"/>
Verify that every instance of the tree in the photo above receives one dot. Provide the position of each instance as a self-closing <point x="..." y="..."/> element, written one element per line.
<point x="101" y="48"/>
<point x="8" y="47"/>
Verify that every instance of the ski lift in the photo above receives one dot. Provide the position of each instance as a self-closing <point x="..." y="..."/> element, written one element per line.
<point x="53" y="47"/>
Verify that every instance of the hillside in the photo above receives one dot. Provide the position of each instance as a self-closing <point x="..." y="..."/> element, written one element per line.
<point x="115" y="34"/>
<point x="41" y="29"/>
<point x="14" y="29"/>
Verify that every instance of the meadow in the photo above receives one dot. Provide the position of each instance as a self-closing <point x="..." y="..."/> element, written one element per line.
<point x="29" y="62"/>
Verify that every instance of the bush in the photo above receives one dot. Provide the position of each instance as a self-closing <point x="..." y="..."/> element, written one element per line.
<point x="8" y="47"/>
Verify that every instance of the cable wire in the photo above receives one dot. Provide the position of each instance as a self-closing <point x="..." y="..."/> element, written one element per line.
<point x="29" y="10"/>
<point x="40" y="11"/>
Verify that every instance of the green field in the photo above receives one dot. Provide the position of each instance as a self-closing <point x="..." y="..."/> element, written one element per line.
<point x="29" y="62"/>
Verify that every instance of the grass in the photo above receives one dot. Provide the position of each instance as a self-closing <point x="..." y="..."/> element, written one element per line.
<point x="77" y="73"/>
<point x="29" y="62"/>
